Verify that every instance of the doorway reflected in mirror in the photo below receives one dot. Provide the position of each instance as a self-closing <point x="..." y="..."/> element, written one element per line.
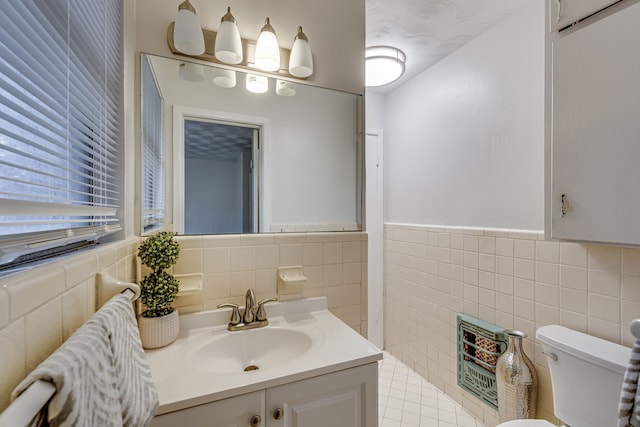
<point x="220" y="191"/>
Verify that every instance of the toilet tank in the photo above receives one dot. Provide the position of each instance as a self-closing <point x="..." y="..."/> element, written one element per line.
<point x="587" y="376"/>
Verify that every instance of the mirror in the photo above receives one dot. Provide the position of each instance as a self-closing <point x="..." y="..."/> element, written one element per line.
<point x="286" y="160"/>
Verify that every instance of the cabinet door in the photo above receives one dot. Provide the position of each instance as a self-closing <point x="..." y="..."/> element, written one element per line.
<point x="596" y="131"/>
<point x="347" y="398"/>
<point x="237" y="411"/>
<point x="566" y="12"/>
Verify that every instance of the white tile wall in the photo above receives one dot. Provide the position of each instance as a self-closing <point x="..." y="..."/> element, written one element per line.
<point x="334" y="263"/>
<point x="512" y="278"/>
<point x="43" y="306"/>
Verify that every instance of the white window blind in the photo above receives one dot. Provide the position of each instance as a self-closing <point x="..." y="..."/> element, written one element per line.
<point x="152" y="149"/>
<point x="60" y="123"/>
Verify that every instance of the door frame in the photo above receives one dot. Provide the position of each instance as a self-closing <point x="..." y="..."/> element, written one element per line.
<point x="374" y="226"/>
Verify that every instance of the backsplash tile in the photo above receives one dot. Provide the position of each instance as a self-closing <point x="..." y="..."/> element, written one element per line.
<point x="49" y="302"/>
<point x="12" y="353"/>
<point x="43" y="331"/>
<point x="75" y="309"/>
<point x="4" y="308"/>
<point x="519" y="281"/>
<point x="26" y="290"/>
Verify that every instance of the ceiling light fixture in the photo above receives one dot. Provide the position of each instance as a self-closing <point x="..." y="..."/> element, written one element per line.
<point x="187" y="34"/>
<point x="267" y="55"/>
<point x="383" y="65"/>
<point x="301" y="60"/>
<point x="228" y="46"/>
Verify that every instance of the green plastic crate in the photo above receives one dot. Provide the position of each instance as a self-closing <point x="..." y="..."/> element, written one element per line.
<point x="479" y="345"/>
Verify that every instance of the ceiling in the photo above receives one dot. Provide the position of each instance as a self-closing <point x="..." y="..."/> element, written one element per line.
<point x="223" y="142"/>
<point x="428" y="30"/>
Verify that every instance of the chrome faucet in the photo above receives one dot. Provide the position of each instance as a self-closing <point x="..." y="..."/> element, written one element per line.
<point x="254" y="315"/>
<point x="250" y="306"/>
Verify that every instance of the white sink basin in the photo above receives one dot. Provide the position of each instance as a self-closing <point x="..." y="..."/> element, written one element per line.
<point x="207" y="363"/>
<point x="251" y="350"/>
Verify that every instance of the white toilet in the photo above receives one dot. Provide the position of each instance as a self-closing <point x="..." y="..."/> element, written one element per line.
<point x="586" y="378"/>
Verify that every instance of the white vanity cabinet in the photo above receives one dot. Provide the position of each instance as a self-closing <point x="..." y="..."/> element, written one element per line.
<point x="347" y="398"/>
<point x="342" y="399"/>
<point x="566" y="12"/>
<point x="239" y="411"/>
<point x="595" y="128"/>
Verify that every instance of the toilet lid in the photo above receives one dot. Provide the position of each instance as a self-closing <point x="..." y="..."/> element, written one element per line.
<point x="526" y="423"/>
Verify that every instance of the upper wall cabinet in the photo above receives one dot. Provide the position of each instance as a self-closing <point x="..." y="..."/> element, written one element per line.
<point x="566" y="12"/>
<point x="595" y="129"/>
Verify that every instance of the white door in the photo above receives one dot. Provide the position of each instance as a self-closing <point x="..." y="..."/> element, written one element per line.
<point x="374" y="227"/>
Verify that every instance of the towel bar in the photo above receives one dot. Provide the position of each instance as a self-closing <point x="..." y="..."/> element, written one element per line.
<point x="32" y="400"/>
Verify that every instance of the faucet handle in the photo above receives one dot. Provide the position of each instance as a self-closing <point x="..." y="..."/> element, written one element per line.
<point x="235" y="314"/>
<point x="261" y="314"/>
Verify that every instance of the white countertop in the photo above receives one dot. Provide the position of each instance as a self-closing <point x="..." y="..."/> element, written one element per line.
<point x="184" y="379"/>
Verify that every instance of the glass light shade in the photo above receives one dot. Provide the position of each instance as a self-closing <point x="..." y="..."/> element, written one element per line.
<point x="224" y="78"/>
<point x="383" y="65"/>
<point x="187" y="34"/>
<point x="301" y="60"/>
<point x="285" y="88"/>
<point x="191" y="72"/>
<point x="228" y="47"/>
<point x="267" y="56"/>
<point x="257" y="84"/>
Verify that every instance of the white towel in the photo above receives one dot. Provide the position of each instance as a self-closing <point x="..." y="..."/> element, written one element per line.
<point x="101" y="374"/>
<point x="629" y="406"/>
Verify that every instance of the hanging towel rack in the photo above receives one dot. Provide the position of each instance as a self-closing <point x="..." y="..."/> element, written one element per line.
<point x="32" y="400"/>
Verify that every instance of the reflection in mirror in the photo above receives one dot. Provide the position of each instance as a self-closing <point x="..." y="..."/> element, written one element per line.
<point x="296" y="151"/>
<point x="219" y="176"/>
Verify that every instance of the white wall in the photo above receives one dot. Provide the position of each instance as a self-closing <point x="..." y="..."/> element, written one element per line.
<point x="213" y="196"/>
<point x="465" y="139"/>
<point x="374" y="108"/>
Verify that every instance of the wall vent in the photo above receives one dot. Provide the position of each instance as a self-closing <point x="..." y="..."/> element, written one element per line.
<point x="479" y="346"/>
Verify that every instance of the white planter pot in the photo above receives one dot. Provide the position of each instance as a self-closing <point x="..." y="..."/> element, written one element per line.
<point x="159" y="331"/>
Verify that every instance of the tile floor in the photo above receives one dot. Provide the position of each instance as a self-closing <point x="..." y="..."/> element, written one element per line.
<point x="406" y="399"/>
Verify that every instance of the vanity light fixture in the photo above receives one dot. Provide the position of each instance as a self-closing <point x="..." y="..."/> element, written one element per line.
<point x="191" y="72"/>
<point x="228" y="45"/>
<point x="267" y="56"/>
<point x="301" y="60"/>
<point x="187" y="34"/>
<point x="257" y="84"/>
<point x="285" y="88"/>
<point x="224" y="78"/>
<point x="383" y="65"/>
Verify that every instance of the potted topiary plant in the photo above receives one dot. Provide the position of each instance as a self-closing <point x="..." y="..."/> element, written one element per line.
<point x="159" y="322"/>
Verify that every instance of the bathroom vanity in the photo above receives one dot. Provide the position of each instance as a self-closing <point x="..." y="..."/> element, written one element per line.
<point x="306" y="368"/>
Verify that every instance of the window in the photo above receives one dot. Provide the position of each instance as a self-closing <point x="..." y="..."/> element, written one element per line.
<point x="60" y="123"/>
<point x="153" y="149"/>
